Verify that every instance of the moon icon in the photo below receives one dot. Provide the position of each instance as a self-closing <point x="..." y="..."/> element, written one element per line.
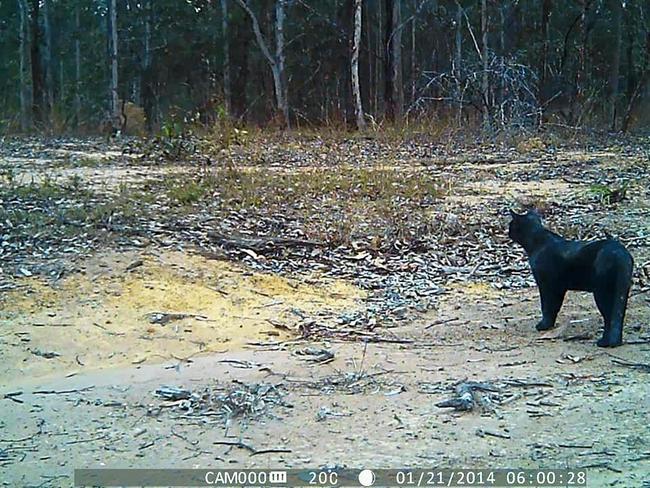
<point x="367" y="477"/>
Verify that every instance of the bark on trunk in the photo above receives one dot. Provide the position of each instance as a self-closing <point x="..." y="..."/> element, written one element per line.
<point x="581" y="73"/>
<point x="354" y="66"/>
<point x="485" y="84"/>
<point x="37" y="73"/>
<point x="227" y="97"/>
<point x="25" y="84"/>
<point x="47" y="59"/>
<point x="242" y="38"/>
<point x="629" y="58"/>
<point x="458" y="59"/>
<point x="393" y="95"/>
<point x="77" y="64"/>
<point x="413" y="65"/>
<point x="147" y="88"/>
<point x="644" y="78"/>
<point x="615" y="63"/>
<point x="281" y="81"/>
<point x="113" y="86"/>
<point x="547" y="6"/>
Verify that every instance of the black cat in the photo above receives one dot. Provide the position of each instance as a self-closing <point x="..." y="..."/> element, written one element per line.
<point x="602" y="267"/>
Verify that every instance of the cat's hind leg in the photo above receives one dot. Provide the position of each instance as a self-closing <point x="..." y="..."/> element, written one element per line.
<point x="611" y="297"/>
<point x="604" y="296"/>
<point x="551" y="299"/>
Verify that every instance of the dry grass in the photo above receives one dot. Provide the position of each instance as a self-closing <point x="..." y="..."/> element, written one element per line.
<point x="332" y="204"/>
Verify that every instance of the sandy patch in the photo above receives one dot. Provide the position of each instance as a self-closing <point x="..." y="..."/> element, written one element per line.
<point x="101" y="317"/>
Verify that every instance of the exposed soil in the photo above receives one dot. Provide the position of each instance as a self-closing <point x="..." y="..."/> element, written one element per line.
<point x="561" y="401"/>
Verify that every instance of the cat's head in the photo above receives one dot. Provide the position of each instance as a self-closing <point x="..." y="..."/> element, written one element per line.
<point x="522" y="225"/>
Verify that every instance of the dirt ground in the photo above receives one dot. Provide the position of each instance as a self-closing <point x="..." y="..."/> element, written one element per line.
<point x="84" y="356"/>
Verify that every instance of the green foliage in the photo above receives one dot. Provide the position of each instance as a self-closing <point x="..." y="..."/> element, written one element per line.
<point x="175" y="141"/>
<point x="186" y="192"/>
<point x="608" y="195"/>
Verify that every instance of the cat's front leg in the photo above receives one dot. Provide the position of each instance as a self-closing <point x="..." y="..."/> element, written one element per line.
<point x="551" y="303"/>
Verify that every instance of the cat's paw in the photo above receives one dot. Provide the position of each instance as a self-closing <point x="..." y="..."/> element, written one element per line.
<point x="542" y="325"/>
<point x="606" y="342"/>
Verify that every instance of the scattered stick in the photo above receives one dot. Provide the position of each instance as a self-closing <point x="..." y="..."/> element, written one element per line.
<point x="260" y="243"/>
<point x="638" y="341"/>
<point x="483" y="433"/>
<point x="12" y="396"/>
<point x="579" y="337"/>
<point x="527" y="384"/>
<point x="269" y="451"/>
<point x="43" y="324"/>
<point x="134" y="265"/>
<point x="109" y="332"/>
<point x="62" y="392"/>
<point x="442" y="321"/>
<point x="92" y="439"/>
<point x="576" y="446"/>
<point x="241" y="364"/>
<point x="239" y="444"/>
<point x="624" y="362"/>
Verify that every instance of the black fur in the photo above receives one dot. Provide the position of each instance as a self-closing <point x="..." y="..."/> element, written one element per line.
<point x="601" y="267"/>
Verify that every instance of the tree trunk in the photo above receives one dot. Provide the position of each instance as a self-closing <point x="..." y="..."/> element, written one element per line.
<point x="113" y="86"/>
<point x="38" y="93"/>
<point x="500" y="97"/>
<point x="227" y="97"/>
<point x="354" y="66"/>
<point x="281" y="77"/>
<point x="458" y="59"/>
<point x="581" y="72"/>
<point x="547" y="6"/>
<point x="644" y="78"/>
<point x="276" y="64"/>
<point x="413" y="64"/>
<point x="630" y="78"/>
<point x="393" y="94"/>
<point x="485" y="84"/>
<point x="47" y="59"/>
<point x="615" y="64"/>
<point x="242" y="38"/>
<point x="77" y="64"/>
<point x="25" y="84"/>
<point x="147" y="88"/>
<point x="378" y="55"/>
<point x="372" y="81"/>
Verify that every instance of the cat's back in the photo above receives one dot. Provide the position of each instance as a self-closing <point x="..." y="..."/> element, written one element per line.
<point x="567" y="254"/>
<point x="584" y="258"/>
<point x="612" y="247"/>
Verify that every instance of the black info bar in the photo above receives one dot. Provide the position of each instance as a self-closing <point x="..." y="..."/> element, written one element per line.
<point x="331" y="477"/>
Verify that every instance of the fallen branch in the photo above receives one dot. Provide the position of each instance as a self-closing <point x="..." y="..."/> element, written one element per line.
<point x="269" y="451"/>
<point x="624" y="362"/>
<point x="261" y="243"/>
<point x="440" y="322"/>
<point x="483" y="433"/>
<point x="12" y="396"/>
<point x="62" y="392"/>
<point x="236" y="444"/>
